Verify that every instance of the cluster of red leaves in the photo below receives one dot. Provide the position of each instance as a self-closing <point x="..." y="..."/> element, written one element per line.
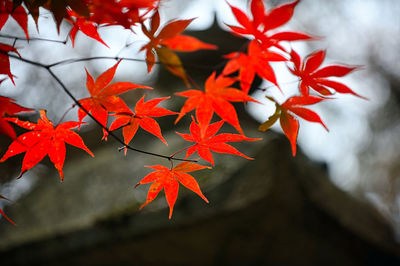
<point x="258" y="58"/>
<point x="85" y="16"/>
<point x="103" y="96"/>
<point x="265" y="48"/>
<point x="124" y="13"/>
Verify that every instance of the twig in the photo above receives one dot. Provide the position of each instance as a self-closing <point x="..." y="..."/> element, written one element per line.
<point x="31" y="38"/>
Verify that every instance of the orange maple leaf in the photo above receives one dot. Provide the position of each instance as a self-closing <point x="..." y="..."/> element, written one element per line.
<point x="255" y="62"/>
<point x="44" y="139"/>
<point x="169" y="179"/>
<point x="170" y="38"/>
<point x="208" y="141"/>
<point x="130" y="121"/>
<point x="84" y="25"/>
<point x="262" y="23"/>
<point x="9" y="107"/>
<point x="103" y="97"/>
<point x="314" y="77"/>
<point x="216" y="98"/>
<point x="286" y="114"/>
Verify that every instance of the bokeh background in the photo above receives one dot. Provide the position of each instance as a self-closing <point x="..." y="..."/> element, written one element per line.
<point x="360" y="153"/>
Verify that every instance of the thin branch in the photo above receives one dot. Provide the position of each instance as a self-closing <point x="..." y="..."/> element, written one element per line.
<point x="182" y="150"/>
<point x="31" y="38"/>
<point x="65" y="113"/>
<point x="76" y="60"/>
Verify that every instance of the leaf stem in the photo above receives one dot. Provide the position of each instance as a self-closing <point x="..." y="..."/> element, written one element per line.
<point x="65" y="113"/>
<point x="181" y="150"/>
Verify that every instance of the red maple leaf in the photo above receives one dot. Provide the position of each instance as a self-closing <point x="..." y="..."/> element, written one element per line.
<point x="289" y="123"/>
<point x="59" y="9"/>
<point x="130" y="121"/>
<point x="208" y="141"/>
<point x="170" y="38"/>
<point x="84" y="25"/>
<point x="263" y="22"/>
<point x="18" y="13"/>
<point x="44" y="139"/>
<point x="216" y="98"/>
<point x="255" y="62"/>
<point x="2" y="212"/>
<point x="103" y="97"/>
<point x="118" y="12"/>
<point x="9" y="107"/>
<point x="316" y="79"/>
<point x="169" y="179"/>
<point x="5" y="60"/>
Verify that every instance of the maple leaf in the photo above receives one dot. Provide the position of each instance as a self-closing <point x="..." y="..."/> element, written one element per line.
<point x="262" y="23"/>
<point x="314" y="77"/>
<point x="103" y="97"/>
<point x="289" y="123"/>
<point x="255" y="62"/>
<point x="89" y="28"/>
<point x="60" y="8"/>
<point x="216" y="98"/>
<point x="130" y="121"/>
<point x="18" y="13"/>
<point x="5" y="60"/>
<point x="44" y="139"/>
<point x="57" y="8"/>
<point x="170" y="38"/>
<point x="9" y="107"/>
<point x="118" y="12"/>
<point x="208" y="141"/>
<point x="169" y="179"/>
<point x="2" y="212"/>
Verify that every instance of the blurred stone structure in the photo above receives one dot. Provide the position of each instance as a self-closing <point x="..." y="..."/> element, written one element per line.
<point x="275" y="210"/>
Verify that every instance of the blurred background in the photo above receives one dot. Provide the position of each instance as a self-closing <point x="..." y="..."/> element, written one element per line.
<point x="360" y="154"/>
